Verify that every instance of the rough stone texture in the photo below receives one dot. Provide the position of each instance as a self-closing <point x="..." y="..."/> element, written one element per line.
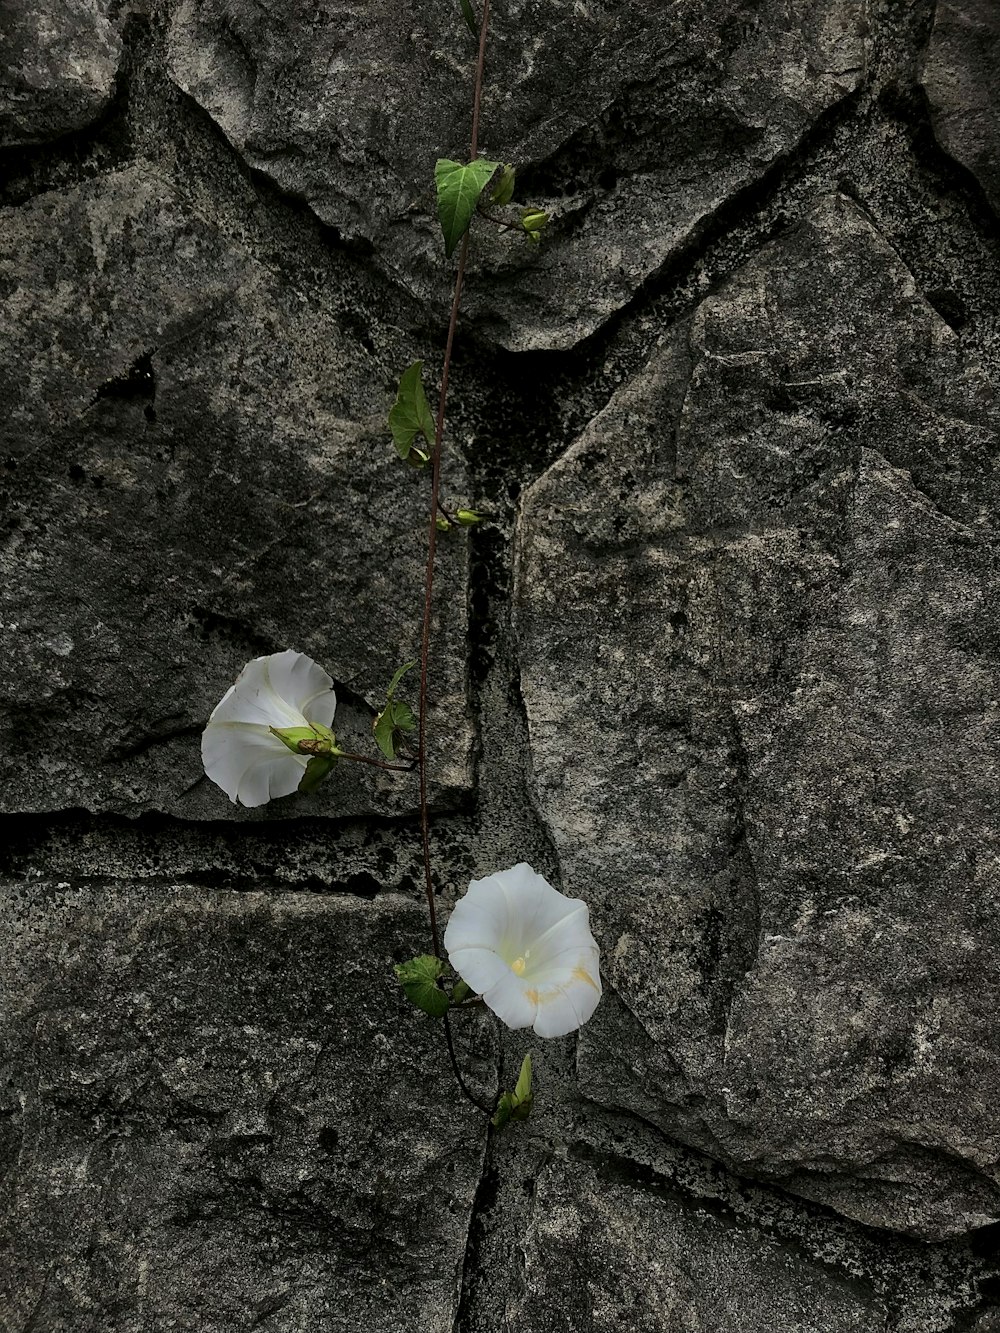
<point x="961" y="76"/>
<point x="747" y="709"/>
<point x="599" y="1256"/>
<point x="219" y="1114"/>
<point x="57" y="66"/>
<point x="632" y="122"/>
<point x="758" y="654"/>
<point x="196" y="471"/>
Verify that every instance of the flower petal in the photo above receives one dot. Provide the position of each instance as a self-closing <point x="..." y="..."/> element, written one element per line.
<point x="568" y="998"/>
<point x="253" y="699"/>
<point x="570" y="934"/>
<point x="486" y="896"/>
<point x="475" y="923"/>
<point x="479" y="968"/>
<point x="533" y="903"/>
<point x="512" y="1001"/>
<point x="303" y="684"/>
<point x="248" y="763"/>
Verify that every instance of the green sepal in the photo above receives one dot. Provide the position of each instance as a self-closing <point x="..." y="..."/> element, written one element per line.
<point x="468" y="517"/>
<point x="503" y="192"/>
<point x="418" y="979"/>
<point x="316" y="770"/>
<point x="314" y="739"/>
<point x="469" y="14"/>
<point x="411" y="415"/>
<point x="459" y="187"/>
<point x="516" y="1105"/>
<point x="442" y="524"/>
<point x="460" y="992"/>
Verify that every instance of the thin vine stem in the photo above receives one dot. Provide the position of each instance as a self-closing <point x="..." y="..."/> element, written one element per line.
<point x="432" y="533"/>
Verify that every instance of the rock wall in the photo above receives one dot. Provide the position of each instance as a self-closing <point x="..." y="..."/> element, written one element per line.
<point x="725" y="662"/>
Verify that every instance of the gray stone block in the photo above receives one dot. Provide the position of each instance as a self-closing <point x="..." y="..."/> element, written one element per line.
<point x="197" y="470"/>
<point x="599" y="1255"/>
<point x="631" y="122"/>
<point x="218" y="1112"/>
<point x="58" y="64"/>
<point x="758" y="645"/>
<point x="962" y="81"/>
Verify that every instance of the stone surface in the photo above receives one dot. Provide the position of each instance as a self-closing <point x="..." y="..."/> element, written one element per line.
<point x="196" y="471"/>
<point x="962" y="81"/>
<point x="759" y="658"/>
<point x="58" y="64"/>
<point x="219" y="1113"/>
<point x="599" y="1255"/>
<point x="632" y="122"/>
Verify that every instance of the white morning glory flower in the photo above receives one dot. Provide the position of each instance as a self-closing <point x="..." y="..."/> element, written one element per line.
<point x="528" y="950"/>
<point x="240" y="752"/>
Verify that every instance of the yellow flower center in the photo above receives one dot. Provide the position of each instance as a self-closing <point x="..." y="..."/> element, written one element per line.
<point x="518" y="966"/>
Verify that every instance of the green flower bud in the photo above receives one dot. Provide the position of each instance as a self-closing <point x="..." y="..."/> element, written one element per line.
<point x="503" y="191"/>
<point x="314" y="739"/>
<point x="533" y="220"/>
<point x="468" y="517"/>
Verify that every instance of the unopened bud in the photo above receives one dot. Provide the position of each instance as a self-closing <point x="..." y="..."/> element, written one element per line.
<point x="314" y="739"/>
<point x="533" y="220"/>
<point x="503" y="191"/>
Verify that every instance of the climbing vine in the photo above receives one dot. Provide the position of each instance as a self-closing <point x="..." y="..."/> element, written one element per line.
<point x="513" y="943"/>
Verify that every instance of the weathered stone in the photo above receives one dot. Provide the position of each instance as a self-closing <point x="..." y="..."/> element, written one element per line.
<point x="600" y="1255"/>
<point x="217" y="1112"/>
<point x="759" y="660"/>
<point x="58" y="64"/>
<point x="962" y="80"/>
<point x="631" y="122"/>
<point x="197" y="471"/>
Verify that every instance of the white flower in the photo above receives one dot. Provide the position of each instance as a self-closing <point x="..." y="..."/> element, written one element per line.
<point x="528" y="950"/>
<point x="240" y="752"/>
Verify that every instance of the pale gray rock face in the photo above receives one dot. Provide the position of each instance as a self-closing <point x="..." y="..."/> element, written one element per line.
<point x="58" y="64"/>
<point x="632" y="121"/>
<point x="196" y="471"/>
<point x="962" y="81"/>
<point x="654" y="1266"/>
<point x="219" y="1113"/>
<point x="758" y="638"/>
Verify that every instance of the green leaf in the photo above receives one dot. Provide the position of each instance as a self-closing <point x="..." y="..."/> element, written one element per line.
<point x="395" y="717"/>
<point x="316" y="770"/>
<point x="516" y="1105"/>
<point x="503" y="191"/>
<point x="460" y="991"/>
<point x="468" y="13"/>
<point x="459" y="186"/>
<point x="411" y="414"/>
<point x="418" y="979"/>
<point x="400" y="673"/>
